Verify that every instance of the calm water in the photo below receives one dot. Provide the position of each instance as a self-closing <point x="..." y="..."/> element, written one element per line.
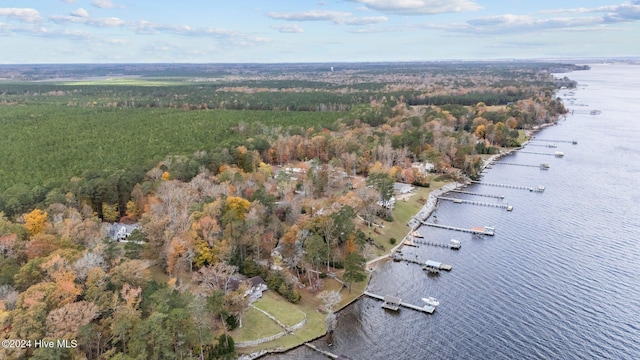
<point x="561" y="277"/>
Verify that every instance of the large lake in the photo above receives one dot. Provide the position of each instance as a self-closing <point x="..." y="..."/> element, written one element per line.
<point x="561" y="277"/>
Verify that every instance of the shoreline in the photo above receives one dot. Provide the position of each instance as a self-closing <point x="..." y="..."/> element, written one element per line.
<point x="414" y="223"/>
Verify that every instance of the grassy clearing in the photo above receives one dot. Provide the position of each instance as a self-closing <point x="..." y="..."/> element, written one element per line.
<point x="279" y="308"/>
<point x="315" y="326"/>
<point x="287" y="313"/>
<point x="522" y="136"/>
<point x="402" y="213"/>
<point x="255" y="325"/>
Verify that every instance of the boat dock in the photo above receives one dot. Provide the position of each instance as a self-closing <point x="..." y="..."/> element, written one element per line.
<point x="520" y="187"/>
<point x="451" y="245"/>
<point x="553" y="146"/>
<point x="574" y="142"/>
<point x="478" y="194"/>
<point x="463" y="201"/>
<point x="487" y="230"/>
<point x="434" y="264"/>
<point x="394" y="303"/>
<point x="556" y="154"/>
<point x="541" y="166"/>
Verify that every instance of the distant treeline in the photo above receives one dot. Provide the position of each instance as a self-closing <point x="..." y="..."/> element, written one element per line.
<point x="489" y="98"/>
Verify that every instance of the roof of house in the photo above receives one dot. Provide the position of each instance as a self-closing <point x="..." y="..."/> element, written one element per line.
<point x="117" y="227"/>
<point x="256" y="281"/>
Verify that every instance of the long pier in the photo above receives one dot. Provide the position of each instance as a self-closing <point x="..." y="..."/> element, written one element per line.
<point x="514" y="164"/>
<point x="478" y="194"/>
<point x="536" y="153"/>
<point x="435" y="243"/>
<point x="520" y="187"/>
<point x="476" y="231"/>
<point x="441" y="266"/>
<point x="553" y="146"/>
<point x="574" y="142"/>
<point x="425" y="309"/>
<point x="464" y="201"/>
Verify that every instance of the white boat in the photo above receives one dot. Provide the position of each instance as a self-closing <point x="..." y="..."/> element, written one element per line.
<point x="416" y="234"/>
<point x="431" y="301"/>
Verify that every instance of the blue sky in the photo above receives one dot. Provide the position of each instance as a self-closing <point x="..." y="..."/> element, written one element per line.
<point x="116" y="31"/>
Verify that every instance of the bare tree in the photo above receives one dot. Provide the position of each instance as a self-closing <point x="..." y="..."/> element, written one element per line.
<point x="330" y="298"/>
<point x="216" y="276"/>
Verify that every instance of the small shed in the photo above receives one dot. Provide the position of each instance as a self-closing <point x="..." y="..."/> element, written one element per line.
<point x="391" y="302"/>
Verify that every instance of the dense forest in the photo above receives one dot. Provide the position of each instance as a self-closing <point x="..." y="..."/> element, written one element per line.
<point x="227" y="172"/>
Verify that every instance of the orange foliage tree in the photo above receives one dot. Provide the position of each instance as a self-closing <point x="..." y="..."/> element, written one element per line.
<point x="35" y="221"/>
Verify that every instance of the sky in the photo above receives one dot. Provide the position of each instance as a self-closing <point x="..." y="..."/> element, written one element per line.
<point x="270" y="31"/>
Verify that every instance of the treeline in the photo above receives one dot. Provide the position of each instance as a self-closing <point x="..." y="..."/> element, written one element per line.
<point x="469" y="99"/>
<point x="195" y="97"/>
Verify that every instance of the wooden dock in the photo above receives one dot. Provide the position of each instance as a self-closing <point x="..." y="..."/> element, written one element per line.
<point x="536" y="153"/>
<point x="478" y="194"/>
<point x="574" y="142"/>
<point x="520" y="187"/>
<point x="323" y="352"/>
<point x="475" y="231"/>
<point x="472" y="202"/>
<point x="541" y="166"/>
<point x="428" y="309"/>
<point x="437" y="265"/>
<point x="450" y="245"/>
<point x="547" y="145"/>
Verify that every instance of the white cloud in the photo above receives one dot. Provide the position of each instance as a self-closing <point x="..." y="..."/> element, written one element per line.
<point x="624" y="12"/>
<point x="22" y="14"/>
<point x="98" y="22"/>
<point x="419" y="7"/>
<point x="312" y="15"/>
<point x="508" y="23"/>
<point x="80" y="13"/>
<point x="335" y="17"/>
<point x="367" y="20"/>
<point x="103" y="4"/>
<point x="293" y="28"/>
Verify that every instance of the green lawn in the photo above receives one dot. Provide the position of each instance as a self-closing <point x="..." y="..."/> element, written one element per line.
<point x="522" y="137"/>
<point x="291" y="314"/>
<point x="402" y="213"/>
<point x="280" y="308"/>
<point x="255" y="325"/>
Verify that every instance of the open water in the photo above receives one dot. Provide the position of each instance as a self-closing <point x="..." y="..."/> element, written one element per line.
<point x="561" y="277"/>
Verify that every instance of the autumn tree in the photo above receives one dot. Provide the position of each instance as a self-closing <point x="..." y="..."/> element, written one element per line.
<point x="35" y="221"/>
<point x="64" y="322"/>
